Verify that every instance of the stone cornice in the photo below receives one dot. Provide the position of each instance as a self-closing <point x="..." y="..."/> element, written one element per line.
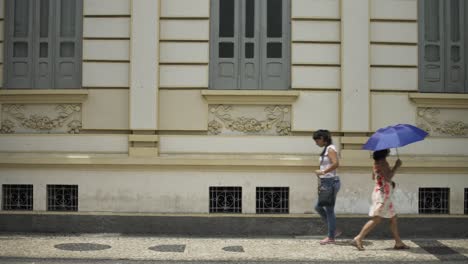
<point x="439" y="100"/>
<point x="43" y="96"/>
<point x="414" y="165"/>
<point x="250" y="97"/>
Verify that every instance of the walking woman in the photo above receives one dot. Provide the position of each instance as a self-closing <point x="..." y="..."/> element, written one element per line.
<point x="327" y="179"/>
<point x="382" y="205"/>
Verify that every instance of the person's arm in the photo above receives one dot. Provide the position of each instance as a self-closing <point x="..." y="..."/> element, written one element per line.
<point x="333" y="156"/>
<point x="391" y="171"/>
<point x="397" y="165"/>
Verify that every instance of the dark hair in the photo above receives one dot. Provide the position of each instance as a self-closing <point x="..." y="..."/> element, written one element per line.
<point x="326" y="136"/>
<point x="380" y="154"/>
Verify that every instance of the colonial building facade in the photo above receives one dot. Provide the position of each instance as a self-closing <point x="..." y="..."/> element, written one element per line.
<point x="208" y="106"/>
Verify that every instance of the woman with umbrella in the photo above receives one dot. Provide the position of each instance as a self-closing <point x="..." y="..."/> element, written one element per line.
<point x="382" y="174"/>
<point x="382" y="204"/>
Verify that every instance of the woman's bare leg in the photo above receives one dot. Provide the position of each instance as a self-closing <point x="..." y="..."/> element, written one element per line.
<point x="396" y="233"/>
<point x="365" y="230"/>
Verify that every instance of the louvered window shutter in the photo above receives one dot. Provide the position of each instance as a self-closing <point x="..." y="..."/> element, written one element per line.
<point x="432" y="51"/>
<point x="455" y="46"/>
<point x="19" y="44"/>
<point x="68" y="44"/>
<point x="225" y="45"/>
<point x="250" y="44"/>
<point x="275" y="44"/>
<point x="43" y="44"/>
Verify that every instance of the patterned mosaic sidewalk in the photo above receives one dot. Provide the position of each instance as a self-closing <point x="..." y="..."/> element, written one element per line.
<point x="113" y="246"/>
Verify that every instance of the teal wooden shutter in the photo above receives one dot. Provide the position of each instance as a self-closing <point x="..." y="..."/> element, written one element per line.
<point x="68" y="51"/>
<point x="275" y="44"/>
<point x="432" y="51"/>
<point x="19" y="44"/>
<point x="224" y="65"/>
<point x="455" y="46"/>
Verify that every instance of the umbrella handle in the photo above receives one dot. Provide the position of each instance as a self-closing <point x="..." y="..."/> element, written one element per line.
<point x="397" y="153"/>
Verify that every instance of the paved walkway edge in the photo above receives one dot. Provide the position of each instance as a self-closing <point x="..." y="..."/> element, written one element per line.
<point x="222" y="226"/>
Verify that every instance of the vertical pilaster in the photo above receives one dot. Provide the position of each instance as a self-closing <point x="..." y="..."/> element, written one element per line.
<point x="144" y="76"/>
<point x="355" y="68"/>
<point x="355" y="75"/>
<point x="144" y="61"/>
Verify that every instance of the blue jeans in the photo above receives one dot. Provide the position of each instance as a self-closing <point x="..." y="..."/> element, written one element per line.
<point x="328" y="212"/>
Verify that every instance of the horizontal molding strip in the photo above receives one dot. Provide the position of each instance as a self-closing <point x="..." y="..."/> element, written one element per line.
<point x="104" y="38"/>
<point x="315" y="64"/>
<point x="393" y="20"/>
<point x="315" y="42"/>
<point x="107" y="16"/>
<point x="419" y="165"/>
<point x="184" y="40"/>
<point x="314" y="89"/>
<point x="183" y="63"/>
<point x="392" y="66"/>
<point x="393" y="43"/>
<point x="106" y="87"/>
<point x="184" y="18"/>
<point x="315" y="19"/>
<point x="43" y="96"/>
<point x="389" y="90"/>
<point x="182" y="88"/>
<point x="107" y="61"/>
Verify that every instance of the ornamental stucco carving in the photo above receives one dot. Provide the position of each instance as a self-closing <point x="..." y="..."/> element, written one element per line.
<point x="249" y="119"/>
<point x="41" y="118"/>
<point x="440" y="122"/>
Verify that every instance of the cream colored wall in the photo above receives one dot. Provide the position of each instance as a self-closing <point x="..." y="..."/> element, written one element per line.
<point x="179" y="57"/>
<point x="187" y="191"/>
<point x="106" y="57"/>
<point x="355" y="66"/>
<point x="315" y="51"/>
<point x="355" y="194"/>
<point x="267" y="145"/>
<point x="67" y="144"/>
<point x="182" y="110"/>
<point x="106" y="109"/>
<point x="394" y="33"/>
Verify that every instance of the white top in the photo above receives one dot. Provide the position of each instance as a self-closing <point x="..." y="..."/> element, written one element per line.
<point x="325" y="162"/>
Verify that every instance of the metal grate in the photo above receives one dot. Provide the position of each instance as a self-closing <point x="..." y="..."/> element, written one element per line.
<point x="62" y="197"/>
<point x="434" y="200"/>
<point x="225" y="199"/>
<point x="466" y="200"/>
<point x="17" y="197"/>
<point x="272" y="200"/>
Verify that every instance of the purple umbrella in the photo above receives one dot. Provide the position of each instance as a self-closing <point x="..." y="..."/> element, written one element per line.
<point x="394" y="137"/>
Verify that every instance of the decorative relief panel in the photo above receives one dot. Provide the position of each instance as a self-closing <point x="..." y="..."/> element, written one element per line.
<point x="40" y="118"/>
<point x="443" y="122"/>
<point x="249" y="120"/>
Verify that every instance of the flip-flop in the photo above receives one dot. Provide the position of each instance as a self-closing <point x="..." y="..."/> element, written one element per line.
<point x="400" y="247"/>
<point x="357" y="244"/>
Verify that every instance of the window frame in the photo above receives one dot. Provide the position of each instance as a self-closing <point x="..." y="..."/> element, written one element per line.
<point x="426" y="68"/>
<point x="59" y="72"/>
<point x="261" y="80"/>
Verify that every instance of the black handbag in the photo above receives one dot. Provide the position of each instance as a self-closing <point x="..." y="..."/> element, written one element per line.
<point x="326" y="196"/>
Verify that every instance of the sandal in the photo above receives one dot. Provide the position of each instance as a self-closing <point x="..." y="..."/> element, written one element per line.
<point x="357" y="244"/>
<point x="399" y="247"/>
<point x="327" y="240"/>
